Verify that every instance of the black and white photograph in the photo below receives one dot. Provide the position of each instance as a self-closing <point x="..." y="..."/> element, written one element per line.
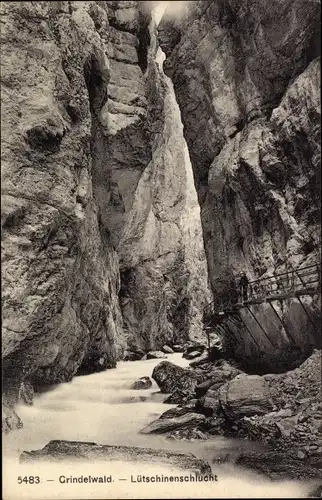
<point x="161" y="249"/>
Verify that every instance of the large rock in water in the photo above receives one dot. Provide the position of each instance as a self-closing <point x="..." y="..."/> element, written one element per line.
<point x="167" y="349"/>
<point x="193" y="351"/>
<point x="142" y="383"/>
<point x="155" y="355"/>
<point x="163" y="425"/>
<point x="133" y="354"/>
<point x="171" y="377"/>
<point x="245" y="395"/>
<point x="62" y="451"/>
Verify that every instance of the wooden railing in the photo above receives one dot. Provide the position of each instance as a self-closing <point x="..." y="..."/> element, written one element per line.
<point x="295" y="282"/>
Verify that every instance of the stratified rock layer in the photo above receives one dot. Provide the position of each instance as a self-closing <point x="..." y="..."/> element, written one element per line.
<point x="247" y="80"/>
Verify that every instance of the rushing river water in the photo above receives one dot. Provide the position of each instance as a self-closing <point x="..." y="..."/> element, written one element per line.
<point x="102" y="408"/>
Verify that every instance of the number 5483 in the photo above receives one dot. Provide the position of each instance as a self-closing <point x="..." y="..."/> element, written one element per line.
<point x="28" y="479"/>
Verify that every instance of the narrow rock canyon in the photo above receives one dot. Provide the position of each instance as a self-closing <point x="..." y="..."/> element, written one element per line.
<point x="151" y="153"/>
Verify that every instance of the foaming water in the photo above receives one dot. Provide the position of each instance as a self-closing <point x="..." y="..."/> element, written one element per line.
<point x="102" y="408"/>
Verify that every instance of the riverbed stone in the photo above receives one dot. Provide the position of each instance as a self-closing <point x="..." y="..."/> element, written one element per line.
<point x="61" y="451"/>
<point x="294" y="425"/>
<point x="245" y="395"/>
<point x="177" y="412"/>
<point x="171" y="377"/>
<point x="131" y="355"/>
<point x="210" y="403"/>
<point x="200" y="359"/>
<point x="167" y="349"/>
<point x="142" y="383"/>
<point x="203" y="387"/>
<point x="155" y="355"/>
<point x="192" y="355"/>
<point x="178" y="348"/>
<point x="193" y="351"/>
<point x="163" y="425"/>
<point x="179" y="397"/>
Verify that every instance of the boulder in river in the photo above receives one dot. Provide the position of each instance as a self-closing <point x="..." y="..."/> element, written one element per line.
<point x="216" y="378"/>
<point x="210" y="403"/>
<point x="197" y="349"/>
<point x="177" y="412"/>
<point x="142" y="383"/>
<point x="179" y="397"/>
<point x="202" y="358"/>
<point x="163" y="425"/>
<point x="167" y="349"/>
<point x="178" y="348"/>
<point x="171" y="377"/>
<point x="192" y="355"/>
<point x="203" y="387"/>
<point x="131" y="355"/>
<point x="61" y="451"/>
<point x="155" y="355"/>
<point x="245" y="395"/>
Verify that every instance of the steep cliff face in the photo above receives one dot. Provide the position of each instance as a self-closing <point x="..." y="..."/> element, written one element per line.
<point x="96" y="177"/>
<point x="143" y="184"/>
<point x="60" y="272"/>
<point x="161" y="250"/>
<point x="247" y="79"/>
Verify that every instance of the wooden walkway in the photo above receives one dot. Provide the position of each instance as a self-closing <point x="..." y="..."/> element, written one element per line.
<point x="295" y="282"/>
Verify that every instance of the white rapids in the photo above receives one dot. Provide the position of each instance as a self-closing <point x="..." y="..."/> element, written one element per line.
<point x="102" y="408"/>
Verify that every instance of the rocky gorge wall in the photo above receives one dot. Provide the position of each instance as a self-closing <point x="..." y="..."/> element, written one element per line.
<point x="161" y="248"/>
<point x="104" y="216"/>
<point x="101" y="235"/>
<point x="247" y="80"/>
<point x="60" y="273"/>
